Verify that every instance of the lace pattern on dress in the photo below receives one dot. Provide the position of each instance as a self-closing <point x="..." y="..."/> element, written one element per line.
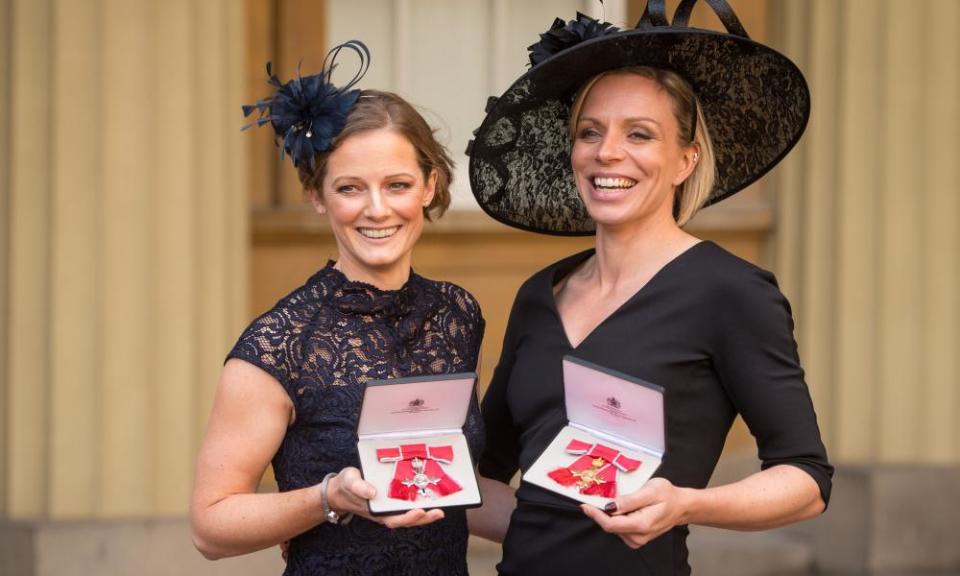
<point x="322" y="342"/>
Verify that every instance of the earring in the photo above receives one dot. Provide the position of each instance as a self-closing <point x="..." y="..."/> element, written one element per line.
<point x="696" y="157"/>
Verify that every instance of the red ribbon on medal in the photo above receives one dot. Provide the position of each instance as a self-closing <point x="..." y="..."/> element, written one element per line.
<point x="417" y="473"/>
<point x="595" y="472"/>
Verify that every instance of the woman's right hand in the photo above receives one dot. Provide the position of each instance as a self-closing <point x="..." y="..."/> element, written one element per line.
<point x="348" y="492"/>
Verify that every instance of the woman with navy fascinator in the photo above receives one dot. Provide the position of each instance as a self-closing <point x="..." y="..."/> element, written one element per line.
<point x="290" y="389"/>
<point x="625" y="135"/>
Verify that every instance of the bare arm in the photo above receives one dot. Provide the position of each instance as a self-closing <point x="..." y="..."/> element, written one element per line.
<point x="774" y="497"/>
<point x="251" y="413"/>
<point x="490" y="521"/>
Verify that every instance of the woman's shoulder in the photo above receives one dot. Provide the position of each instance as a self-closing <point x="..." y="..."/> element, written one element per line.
<point x="730" y="286"/>
<point x="291" y="311"/>
<point x="454" y="296"/>
<point x="268" y="341"/>
<point x="541" y="282"/>
<point x="716" y="269"/>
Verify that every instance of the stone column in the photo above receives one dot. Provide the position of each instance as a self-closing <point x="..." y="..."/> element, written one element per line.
<point x="124" y="215"/>
<point x="868" y="243"/>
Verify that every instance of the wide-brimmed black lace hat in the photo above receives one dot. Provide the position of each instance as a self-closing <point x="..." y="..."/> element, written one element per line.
<point x="754" y="100"/>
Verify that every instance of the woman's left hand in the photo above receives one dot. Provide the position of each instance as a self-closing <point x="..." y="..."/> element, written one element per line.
<point x="645" y="514"/>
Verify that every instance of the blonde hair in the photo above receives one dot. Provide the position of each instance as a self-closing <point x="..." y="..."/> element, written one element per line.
<point x="693" y="192"/>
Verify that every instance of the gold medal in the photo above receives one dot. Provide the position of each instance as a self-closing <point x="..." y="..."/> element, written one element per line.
<point x="588" y="477"/>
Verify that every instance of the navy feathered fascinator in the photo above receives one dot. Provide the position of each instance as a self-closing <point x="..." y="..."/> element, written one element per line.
<point x="563" y="35"/>
<point x="308" y="112"/>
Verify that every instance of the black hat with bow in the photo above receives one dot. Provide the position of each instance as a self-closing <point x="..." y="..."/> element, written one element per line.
<point x="754" y="100"/>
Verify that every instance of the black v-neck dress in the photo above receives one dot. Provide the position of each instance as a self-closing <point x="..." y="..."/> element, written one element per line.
<point x="715" y="332"/>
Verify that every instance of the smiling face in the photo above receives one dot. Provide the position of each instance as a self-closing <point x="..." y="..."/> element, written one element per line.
<point x="627" y="157"/>
<point x="374" y="192"/>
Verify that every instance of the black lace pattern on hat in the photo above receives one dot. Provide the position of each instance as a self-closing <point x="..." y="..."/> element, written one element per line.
<point x="754" y="100"/>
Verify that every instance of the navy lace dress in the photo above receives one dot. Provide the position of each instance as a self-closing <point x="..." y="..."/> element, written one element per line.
<point x="322" y="342"/>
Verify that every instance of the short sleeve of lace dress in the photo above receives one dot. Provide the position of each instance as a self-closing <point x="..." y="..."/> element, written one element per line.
<point x="472" y="331"/>
<point x="475" y="324"/>
<point x="271" y="341"/>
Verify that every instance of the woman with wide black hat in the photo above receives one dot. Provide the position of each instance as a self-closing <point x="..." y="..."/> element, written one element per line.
<point x="626" y="135"/>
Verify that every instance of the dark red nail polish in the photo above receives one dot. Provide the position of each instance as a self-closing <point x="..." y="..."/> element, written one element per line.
<point x="610" y="507"/>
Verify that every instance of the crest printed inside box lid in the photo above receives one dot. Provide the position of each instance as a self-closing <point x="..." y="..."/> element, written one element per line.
<point x="626" y="408"/>
<point x="416" y="404"/>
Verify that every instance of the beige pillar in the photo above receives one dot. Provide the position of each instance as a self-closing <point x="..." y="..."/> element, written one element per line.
<point x="940" y="237"/>
<point x="76" y="151"/>
<point x="27" y="379"/>
<point x="127" y="247"/>
<point x="867" y="238"/>
<point x="5" y="27"/>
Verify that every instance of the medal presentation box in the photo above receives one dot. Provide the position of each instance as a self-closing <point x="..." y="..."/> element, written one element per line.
<point x="614" y="441"/>
<point x="411" y="443"/>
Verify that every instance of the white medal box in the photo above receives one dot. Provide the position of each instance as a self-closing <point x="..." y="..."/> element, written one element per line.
<point x="614" y="410"/>
<point x="408" y="412"/>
